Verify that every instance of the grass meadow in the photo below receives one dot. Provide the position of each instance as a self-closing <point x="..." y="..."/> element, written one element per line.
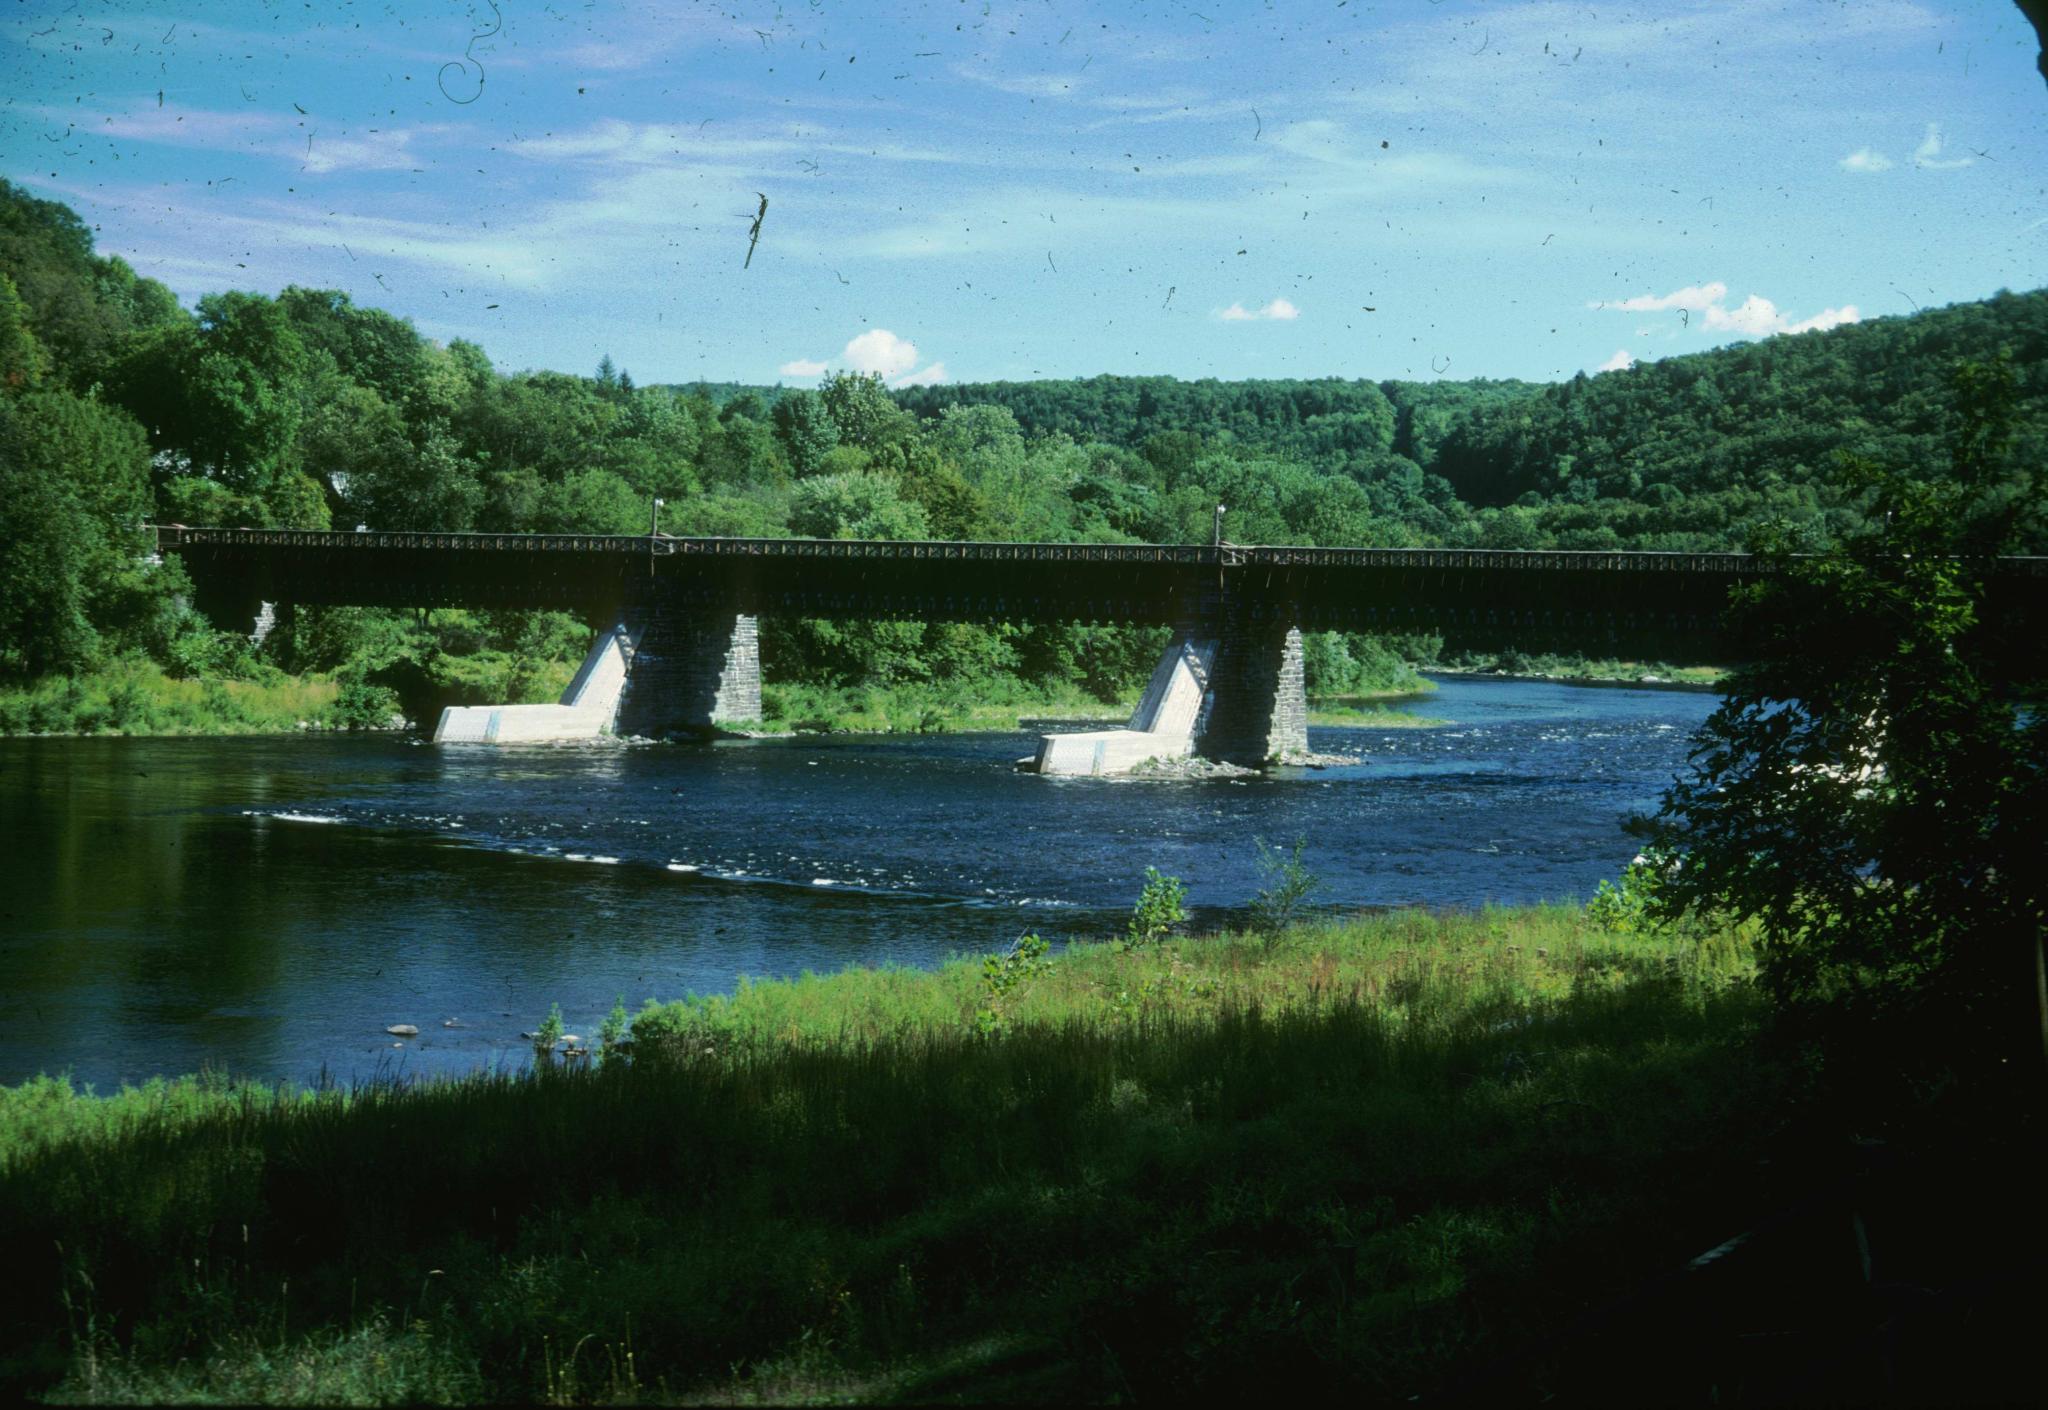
<point x="1376" y="1152"/>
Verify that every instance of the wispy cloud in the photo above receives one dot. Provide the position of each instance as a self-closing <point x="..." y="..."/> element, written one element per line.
<point x="1621" y="361"/>
<point x="801" y="367"/>
<point x="272" y="135"/>
<point x="1864" y="159"/>
<point x="1279" y="310"/>
<point x="1027" y="85"/>
<point x="383" y="151"/>
<point x="617" y="143"/>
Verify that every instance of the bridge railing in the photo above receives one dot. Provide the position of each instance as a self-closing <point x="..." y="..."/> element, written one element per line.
<point x="177" y="536"/>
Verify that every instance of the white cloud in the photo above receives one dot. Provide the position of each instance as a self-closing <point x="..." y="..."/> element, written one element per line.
<point x="1826" y="318"/>
<point x="876" y="351"/>
<point x="1758" y="317"/>
<point x="1927" y="155"/>
<point x="1279" y="309"/>
<point x="1755" y="317"/>
<point x="1863" y="159"/>
<point x="879" y="350"/>
<point x="1620" y="362"/>
<point x="1693" y="296"/>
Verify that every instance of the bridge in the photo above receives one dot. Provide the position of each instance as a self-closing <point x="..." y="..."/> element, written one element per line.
<point x="679" y="615"/>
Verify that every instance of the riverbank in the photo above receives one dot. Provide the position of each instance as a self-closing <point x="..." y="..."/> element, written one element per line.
<point x="138" y="698"/>
<point x="1372" y="711"/>
<point x="1573" y="670"/>
<point x="1377" y="1152"/>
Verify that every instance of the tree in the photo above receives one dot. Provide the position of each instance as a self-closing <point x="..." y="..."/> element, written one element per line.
<point x="862" y="505"/>
<point x="591" y="502"/>
<point x="242" y="388"/>
<point x="368" y="345"/>
<point x="549" y="422"/>
<point x="74" y="491"/>
<point x="741" y="453"/>
<point x="430" y="487"/>
<point x="80" y="305"/>
<point x="862" y="409"/>
<point x="222" y="399"/>
<point x="807" y="431"/>
<point x="1867" y="792"/>
<point x="22" y="362"/>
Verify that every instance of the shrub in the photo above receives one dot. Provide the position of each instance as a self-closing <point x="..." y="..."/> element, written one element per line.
<point x="613" y="1030"/>
<point x="549" y="1034"/>
<point x="361" y="705"/>
<point x="1626" y="909"/>
<point x="1161" y="906"/>
<point x="1000" y="974"/>
<point x="1281" y="901"/>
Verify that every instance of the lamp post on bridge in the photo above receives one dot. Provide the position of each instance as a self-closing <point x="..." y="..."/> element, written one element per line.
<point x="1218" y="538"/>
<point x="653" y="536"/>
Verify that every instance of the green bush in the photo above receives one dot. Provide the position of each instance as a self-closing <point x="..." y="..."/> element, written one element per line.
<point x="1629" y="907"/>
<point x="1161" y="906"/>
<point x="1001" y="974"/>
<point x="363" y="706"/>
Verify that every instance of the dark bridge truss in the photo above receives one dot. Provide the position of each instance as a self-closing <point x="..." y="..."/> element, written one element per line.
<point x="1471" y="596"/>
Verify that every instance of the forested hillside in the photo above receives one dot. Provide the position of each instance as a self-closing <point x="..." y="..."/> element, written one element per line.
<point x="304" y="410"/>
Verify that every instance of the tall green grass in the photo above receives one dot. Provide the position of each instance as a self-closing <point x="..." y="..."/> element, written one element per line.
<point x="135" y="697"/>
<point x="1366" y="1153"/>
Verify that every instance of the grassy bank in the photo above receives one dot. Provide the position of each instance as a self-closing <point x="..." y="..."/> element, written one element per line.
<point x="1593" y="670"/>
<point x="1001" y="703"/>
<point x="1370" y="711"/>
<point x="1373" y="1153"/>
<point x="136" y="697"/>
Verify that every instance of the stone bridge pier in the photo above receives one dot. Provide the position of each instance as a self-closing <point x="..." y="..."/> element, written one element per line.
<point x="1257" y="708"/>
<point x="654" y="673"/>
<point x="692" y="673"/>
<point x="1228" y="688"/>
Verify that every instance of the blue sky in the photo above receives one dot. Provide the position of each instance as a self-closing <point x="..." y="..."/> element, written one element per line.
<point x="967" y="190"/>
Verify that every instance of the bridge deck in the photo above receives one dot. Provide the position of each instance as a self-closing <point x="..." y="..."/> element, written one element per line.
<point x="1509" y="595"/>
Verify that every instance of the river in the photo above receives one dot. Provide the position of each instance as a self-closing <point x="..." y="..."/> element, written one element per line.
<point x="266" y="907"/>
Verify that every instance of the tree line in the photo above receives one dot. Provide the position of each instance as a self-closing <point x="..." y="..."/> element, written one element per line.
<point x="305" y="410"/>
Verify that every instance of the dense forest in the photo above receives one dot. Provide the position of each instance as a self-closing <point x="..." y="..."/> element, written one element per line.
<point x="121" y="407"/>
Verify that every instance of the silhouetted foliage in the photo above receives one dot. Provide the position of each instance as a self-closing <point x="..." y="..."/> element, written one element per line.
<point x="1868" y="791"/>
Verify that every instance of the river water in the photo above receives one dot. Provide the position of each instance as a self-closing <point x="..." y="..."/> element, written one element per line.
<point x="267" y="906"/>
